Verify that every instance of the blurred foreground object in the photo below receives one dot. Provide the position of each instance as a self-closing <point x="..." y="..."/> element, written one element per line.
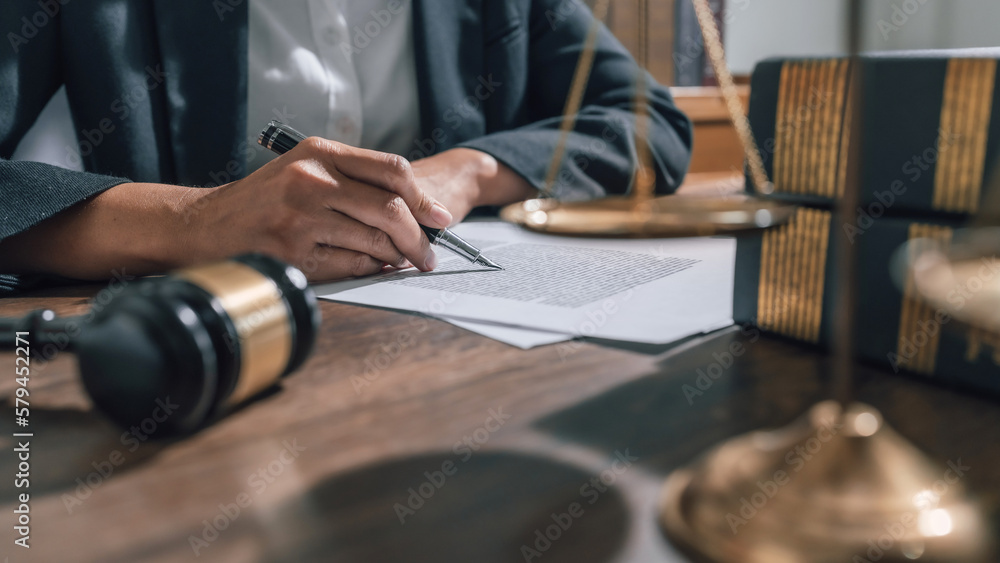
<point x="189" y="346"/>
<point x="826" y="488"/>
<point x="834" y="485"/>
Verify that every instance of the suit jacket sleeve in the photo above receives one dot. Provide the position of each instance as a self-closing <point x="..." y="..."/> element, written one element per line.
<point x="600" y="152"/>
<point x="30" y="73"/>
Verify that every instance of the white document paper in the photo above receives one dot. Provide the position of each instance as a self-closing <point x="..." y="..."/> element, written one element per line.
<point x="648" y="291"/>
<point x="523" y="338"/>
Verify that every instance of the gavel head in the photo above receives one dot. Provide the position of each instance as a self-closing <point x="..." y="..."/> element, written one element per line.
<point x="175" y="351"/>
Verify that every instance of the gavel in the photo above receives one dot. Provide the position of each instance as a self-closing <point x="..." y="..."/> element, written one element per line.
<point x="201" y="340"/>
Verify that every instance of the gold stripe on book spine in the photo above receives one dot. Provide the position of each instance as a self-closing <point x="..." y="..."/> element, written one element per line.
<point x="965" y="117"/>
<point x="919" y="330"/>
<point x="845" y="135"/>
<point x="832" y="108"/>
<point x="792" y="271"/>
<point x="809" y="125"/>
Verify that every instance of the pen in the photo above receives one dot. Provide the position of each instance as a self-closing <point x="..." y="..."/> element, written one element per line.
<point x="280" y="138"/>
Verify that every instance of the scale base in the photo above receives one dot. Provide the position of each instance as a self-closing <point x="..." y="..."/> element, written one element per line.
<point x="831" y="487"/>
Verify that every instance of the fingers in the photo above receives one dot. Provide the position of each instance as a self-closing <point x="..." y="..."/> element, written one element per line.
<point x="387" y="171"/>
<point x="385" y="212"/>
<point x="325" y="264"/>
<point x="348" y="233"/>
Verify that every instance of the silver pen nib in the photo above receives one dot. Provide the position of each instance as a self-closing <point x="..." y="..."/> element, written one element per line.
<point x="484" y="261"/>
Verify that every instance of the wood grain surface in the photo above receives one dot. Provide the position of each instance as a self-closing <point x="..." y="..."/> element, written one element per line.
<point x="323" y="464"/>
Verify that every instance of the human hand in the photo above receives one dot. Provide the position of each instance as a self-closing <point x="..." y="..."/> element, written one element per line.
<point x="463" y="179"/>
<point x="333" y="210"/>
<point x="329" y="209"/>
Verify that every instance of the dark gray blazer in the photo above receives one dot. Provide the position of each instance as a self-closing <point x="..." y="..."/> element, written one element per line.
<point x="157" y="89"/>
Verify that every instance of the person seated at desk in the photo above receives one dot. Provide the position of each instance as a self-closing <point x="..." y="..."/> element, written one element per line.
<point x="421" y="110"/>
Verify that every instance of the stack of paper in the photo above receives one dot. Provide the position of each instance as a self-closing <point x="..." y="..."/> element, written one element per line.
<point x="555" y="288"/>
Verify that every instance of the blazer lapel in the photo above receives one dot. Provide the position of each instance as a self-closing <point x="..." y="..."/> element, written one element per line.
<point x="449" y="58"/>
<point x="203" y="47"/>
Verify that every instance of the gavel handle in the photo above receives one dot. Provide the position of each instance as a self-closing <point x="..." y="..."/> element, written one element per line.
<point x="43" y="329"/>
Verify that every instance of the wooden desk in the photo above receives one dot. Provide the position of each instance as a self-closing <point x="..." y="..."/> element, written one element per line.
<point x="572" y="411"/>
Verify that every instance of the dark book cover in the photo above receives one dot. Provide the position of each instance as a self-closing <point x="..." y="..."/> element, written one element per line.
<point x="931" y="130"/>
<point x="785" y="285"/>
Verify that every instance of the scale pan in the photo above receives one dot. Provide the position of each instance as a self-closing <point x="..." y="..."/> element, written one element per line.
<point x="662" y="217"/>
<point x="960" y="278"/>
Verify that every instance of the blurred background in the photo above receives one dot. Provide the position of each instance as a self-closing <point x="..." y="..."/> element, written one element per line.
<point x="754" y="30"/>
<point x="758" y="29"/>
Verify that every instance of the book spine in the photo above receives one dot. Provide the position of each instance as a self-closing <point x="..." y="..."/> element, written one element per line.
<point x="931" y="134"/>
<point x="784" y="285"/>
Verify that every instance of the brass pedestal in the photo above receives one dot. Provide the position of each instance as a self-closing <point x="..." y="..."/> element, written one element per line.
<point x="832" y="487"/>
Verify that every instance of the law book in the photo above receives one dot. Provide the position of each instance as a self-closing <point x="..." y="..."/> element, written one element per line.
<point x="931" y="130"/>
<point x="785" y="285"/>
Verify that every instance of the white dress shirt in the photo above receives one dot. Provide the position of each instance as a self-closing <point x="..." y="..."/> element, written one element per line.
<point x="340" y="69"/>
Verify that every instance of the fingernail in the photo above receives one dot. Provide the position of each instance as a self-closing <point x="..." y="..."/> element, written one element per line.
<point x="441" y="215"/>
<point x="405" y="264"/>
<point x="431" y="261"/>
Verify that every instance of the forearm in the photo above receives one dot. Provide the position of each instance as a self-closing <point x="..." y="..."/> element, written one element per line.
<point x="331" y="210"/>
<point x="464" y="178"/>
<point x="599" y="155"/>
<point x="499" y="184"/>
<point x="140" y="228"/>
<point x="152" y="228"/>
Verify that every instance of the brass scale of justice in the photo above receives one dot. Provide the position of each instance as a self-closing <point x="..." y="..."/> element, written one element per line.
<point x="867" y="478"/>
